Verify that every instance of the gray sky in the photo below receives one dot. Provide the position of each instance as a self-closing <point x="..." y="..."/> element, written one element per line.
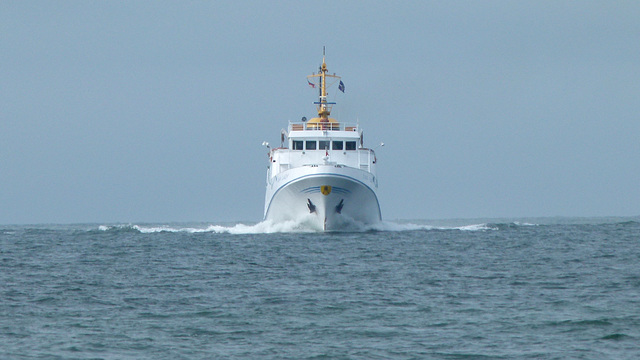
<point x="155" y="111"/>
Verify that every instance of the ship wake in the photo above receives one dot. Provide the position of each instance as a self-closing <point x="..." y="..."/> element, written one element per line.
<point x="305" y="224"/>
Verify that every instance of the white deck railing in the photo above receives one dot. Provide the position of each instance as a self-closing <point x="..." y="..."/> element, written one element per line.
<point x="285" y="159"/>
<point x="333" y="126"/>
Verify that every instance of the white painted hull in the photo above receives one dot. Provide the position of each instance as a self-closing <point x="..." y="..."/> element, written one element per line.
<point x="330" y="197"/>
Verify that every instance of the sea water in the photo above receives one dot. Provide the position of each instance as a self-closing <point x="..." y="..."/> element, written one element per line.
<point x="502" y="289"/>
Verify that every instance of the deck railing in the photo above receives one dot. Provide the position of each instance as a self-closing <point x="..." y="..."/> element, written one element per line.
<point x="332" y="126"/>
<point x="284" y="159"/>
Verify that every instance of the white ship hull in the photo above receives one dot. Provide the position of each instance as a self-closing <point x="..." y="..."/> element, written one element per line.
<point x="331" y="197"/>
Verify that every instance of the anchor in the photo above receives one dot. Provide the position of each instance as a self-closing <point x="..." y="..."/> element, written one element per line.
<point x="312" y="208"/>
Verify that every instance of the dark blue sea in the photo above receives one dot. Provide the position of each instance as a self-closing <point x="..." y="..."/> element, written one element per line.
<point x="553" y="288"/>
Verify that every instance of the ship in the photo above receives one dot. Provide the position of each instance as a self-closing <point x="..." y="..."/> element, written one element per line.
<point x="321" y="174"/>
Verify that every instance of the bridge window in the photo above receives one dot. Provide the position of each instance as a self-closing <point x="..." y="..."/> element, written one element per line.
<point x="337" y="145"/>
<point x="350" y="145"/>
<point x="297" y="145"/>
<point x="324" y="145"/>
<point x="311" y="145"/>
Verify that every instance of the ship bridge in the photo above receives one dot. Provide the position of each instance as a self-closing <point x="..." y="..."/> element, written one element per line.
<point x="315" y="143"/>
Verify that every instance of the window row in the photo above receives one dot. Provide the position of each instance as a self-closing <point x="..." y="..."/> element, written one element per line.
<point x="323" y="145"/>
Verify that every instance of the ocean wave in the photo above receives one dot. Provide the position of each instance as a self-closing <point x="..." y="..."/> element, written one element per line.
<point x="508" y="225"/>
<point x="392" y="226"/>
<point x="630" y="223"/>
<point x="301" y="226"/>
<point x="265" y="227"/>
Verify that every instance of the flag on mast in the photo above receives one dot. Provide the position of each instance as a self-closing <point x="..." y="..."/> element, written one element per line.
<point x="311" y="84"/>
<point x="340" y="86"/>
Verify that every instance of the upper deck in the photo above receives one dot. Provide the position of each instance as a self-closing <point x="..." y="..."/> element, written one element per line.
<point x="316" y="129"/>
<point x="322" y="140"/>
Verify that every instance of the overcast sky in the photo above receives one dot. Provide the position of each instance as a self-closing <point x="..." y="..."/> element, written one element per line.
<point x="155" y="111"/>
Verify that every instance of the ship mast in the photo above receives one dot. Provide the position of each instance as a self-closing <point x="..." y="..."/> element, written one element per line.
<point x="324" y="107"/>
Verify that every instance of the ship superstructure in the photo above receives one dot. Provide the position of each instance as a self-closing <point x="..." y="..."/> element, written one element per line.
<point x="322" y="173"/>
